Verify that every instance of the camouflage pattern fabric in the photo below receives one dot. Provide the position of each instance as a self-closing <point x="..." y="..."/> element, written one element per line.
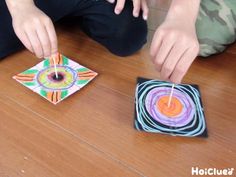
<point x="216" y="25"/>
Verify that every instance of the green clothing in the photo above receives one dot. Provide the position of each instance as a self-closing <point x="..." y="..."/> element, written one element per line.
<point x="216" y="25"/>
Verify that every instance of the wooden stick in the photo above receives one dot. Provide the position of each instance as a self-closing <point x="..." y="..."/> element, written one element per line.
<point x="55" y="66"/>
<point x="171" y="94"/>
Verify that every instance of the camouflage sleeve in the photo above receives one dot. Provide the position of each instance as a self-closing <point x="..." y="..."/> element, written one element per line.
<point x="216" y="25"/>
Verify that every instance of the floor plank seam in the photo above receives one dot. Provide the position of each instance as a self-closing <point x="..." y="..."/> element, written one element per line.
<point x="117" y="91"/>
<point x="82" y="140"/>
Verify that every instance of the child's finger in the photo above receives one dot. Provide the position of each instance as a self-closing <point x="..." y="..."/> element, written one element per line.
<point x="155" y="45"/>
<point x="52" y="37"/>
<point x="119" y="6"/>
<point x="24" y="39"/>
<point x="183" y="65"/>
<point x="111" y="1"/>
<point x="171" y="61"/>
<point x="137" y="7"/>
<point x="163" y="53"/>
<point x="44" y="40"/>
<point x="27" y="43"/>
<point x="145" y="9"/>
<point x="35" y="42"/>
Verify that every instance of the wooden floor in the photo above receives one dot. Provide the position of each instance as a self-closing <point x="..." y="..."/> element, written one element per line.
<point x="91" y="133"/>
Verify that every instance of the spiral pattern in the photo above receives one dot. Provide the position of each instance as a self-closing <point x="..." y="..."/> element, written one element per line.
<point x="45" y="78"/>
<point x="183" y="117"/>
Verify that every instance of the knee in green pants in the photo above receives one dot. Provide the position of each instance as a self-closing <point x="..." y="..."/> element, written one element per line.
<point x="216" y="25"/>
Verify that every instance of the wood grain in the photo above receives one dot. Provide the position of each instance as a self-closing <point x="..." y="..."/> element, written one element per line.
<point x="32" y="145"/>
<point x="91" y="133"/>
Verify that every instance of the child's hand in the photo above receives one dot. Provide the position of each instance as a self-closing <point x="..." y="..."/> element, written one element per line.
<point x="174" y="47"/>
<point x="138" y="6"/>
<point x="34" y="29"/>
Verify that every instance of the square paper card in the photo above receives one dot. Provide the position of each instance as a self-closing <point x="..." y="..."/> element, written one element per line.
<point x="42" y="78"/>
<point x="183" y="117"/>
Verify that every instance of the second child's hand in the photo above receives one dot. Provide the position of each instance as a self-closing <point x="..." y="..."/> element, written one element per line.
<point x="175" y="45"/>
<point x="138" y="6"/>
<point x="34" y="28"/>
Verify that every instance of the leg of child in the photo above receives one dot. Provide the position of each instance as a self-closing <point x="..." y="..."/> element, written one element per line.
<point x="121" y="34"/>
<point x="216" y="26"/>
<point x="9" y="42"/>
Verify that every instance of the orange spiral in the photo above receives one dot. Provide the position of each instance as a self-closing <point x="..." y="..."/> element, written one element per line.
<point x="173" y="110"/>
